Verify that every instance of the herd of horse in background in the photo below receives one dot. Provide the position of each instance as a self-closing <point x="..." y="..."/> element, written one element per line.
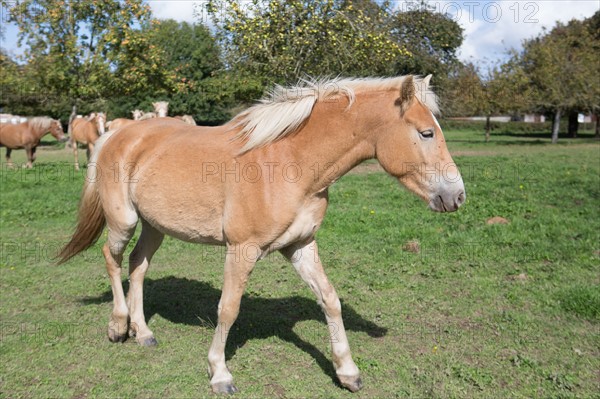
<point x="23" y="133"/>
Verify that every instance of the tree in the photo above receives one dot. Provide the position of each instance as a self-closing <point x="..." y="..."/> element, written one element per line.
<point x="431" y="38"/>
<point x="593" y="26"/>
<point x="84" y="51"/>
<point x="563" y="66"/>
<point x="282" y="40"/>
<point x="193" y="54"/>
<point x="11" y="80"/>
<point x="502" y="89"/>
<point x="464" y="94"/>
<point x="507" y="91"/>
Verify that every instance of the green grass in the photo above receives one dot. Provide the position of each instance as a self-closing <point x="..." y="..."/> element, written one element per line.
<point x="482" y="311"/>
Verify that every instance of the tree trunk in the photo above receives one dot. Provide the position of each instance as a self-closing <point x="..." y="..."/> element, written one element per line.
<point x="573" y="124"/>
<point x="487" y="128"/>
<point x="556" y="126"/>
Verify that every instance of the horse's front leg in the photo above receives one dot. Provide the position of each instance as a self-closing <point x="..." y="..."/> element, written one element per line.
<point x="305" y="259"/>
<point x="30" y="157"/>
<point x="238" y="266"/>
<point x="8" y="160"/>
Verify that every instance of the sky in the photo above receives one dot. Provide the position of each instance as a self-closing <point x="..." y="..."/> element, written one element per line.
<point x="490" y="27"/>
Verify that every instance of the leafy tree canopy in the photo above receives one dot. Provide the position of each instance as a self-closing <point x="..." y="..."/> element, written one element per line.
<point x="284" y="40"/>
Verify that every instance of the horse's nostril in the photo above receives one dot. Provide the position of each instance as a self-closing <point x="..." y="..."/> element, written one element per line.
<point x="461" y="198"/>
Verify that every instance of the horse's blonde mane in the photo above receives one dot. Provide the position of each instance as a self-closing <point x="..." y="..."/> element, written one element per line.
<point x="40" y="122"/>
<point x="283" y="110"/>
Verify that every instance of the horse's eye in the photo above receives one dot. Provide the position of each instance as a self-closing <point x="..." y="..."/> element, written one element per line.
<point x="426" y="134"/>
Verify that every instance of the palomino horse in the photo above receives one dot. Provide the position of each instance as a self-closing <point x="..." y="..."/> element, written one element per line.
<point x="121" y="122"/>
<point x="28" y="135"/>
<point x="255" y="185"/>
<point x="86" y="131"/>
<point x="161" y="109"/>
<point x="137" y="114"/>
<point x="118" y="123"/>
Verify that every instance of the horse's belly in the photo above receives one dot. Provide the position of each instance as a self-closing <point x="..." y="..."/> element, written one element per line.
<point x="182" y="214"/>
<point x="197" y="228"/>
<point x="190" y="233"/>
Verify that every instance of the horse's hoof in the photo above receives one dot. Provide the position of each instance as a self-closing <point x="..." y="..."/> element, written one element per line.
<point x="149" y="341"/>
<point x="353" y="384"/>
<point x="114" y="336"/>
<point x="226" y="388"/>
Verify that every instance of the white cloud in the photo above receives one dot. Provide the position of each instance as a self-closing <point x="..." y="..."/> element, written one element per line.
<point x="179" y="10"/>
<point x="492" y="27"/>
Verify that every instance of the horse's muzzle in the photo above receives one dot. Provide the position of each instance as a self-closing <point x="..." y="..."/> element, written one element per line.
<point x="64" y="139"/>
<point x="448" y="201"/>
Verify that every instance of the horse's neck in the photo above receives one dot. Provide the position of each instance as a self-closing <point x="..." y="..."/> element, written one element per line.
<point x="95" y="126"/>
<point x="331" y="143"/>
<point x="38" y="132"/>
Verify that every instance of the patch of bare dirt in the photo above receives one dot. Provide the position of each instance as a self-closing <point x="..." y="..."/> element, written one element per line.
<point x="412" y="246"/>
<point x="497" y="220"/>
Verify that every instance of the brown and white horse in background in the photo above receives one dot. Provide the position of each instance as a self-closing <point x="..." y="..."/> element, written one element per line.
<point x="256" y="185"/>
<point x="27" y="135"/>
<point x="86" y="131"/>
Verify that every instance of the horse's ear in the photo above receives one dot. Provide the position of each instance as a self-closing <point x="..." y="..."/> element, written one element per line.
<point x="427" y="80"/>
<point x="407" y="93"/>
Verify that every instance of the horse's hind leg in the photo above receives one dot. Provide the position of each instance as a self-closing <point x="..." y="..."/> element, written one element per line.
<point x="119" y="235"/>
<point x="74" y="146"/>
<point x="89" y="151"/>
<point x="139" y="260"/>
<point x="32" y="156"/>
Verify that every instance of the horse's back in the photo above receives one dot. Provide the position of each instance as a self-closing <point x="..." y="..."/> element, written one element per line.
<point x="166" y="135"/>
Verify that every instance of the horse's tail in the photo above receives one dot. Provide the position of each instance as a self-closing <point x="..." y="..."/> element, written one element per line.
<point x="90" y="224"/>
<point x="91" y="220"/>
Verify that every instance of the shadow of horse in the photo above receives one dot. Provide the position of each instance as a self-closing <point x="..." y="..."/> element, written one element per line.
<point x="194" y="303"/>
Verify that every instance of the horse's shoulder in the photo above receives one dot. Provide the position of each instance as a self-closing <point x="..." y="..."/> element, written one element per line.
<point x="79" y="122"/>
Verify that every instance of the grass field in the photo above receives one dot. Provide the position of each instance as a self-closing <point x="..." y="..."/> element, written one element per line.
<point x="479" y="311"/>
